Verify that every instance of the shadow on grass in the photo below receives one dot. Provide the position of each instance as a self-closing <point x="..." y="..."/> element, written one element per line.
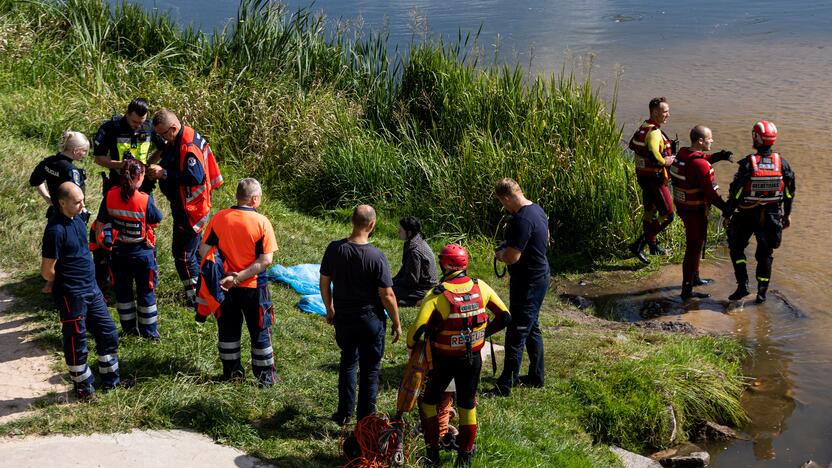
<point x="294" y="422"/>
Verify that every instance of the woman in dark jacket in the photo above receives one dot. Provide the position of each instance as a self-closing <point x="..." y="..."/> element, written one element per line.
<point x="418" y="272"/>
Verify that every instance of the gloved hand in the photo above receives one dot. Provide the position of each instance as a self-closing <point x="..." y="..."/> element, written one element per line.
<point x="723" y="155"/>
<point x="674" y="145"/>
<point x="668" y="160"/>
<point x="200" y="318"/>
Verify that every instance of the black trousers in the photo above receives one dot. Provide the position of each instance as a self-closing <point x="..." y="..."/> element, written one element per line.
<point x="765" y="223"/>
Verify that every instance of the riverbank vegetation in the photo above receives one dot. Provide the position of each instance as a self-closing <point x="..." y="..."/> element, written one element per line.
<point x="328" y="119"/>
<point x="325" y="122"/>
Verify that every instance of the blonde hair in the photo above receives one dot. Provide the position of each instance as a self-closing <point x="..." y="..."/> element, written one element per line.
<point x="72" y="140"/>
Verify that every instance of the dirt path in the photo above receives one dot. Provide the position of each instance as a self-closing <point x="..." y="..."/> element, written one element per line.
<point x="26" y="371"/>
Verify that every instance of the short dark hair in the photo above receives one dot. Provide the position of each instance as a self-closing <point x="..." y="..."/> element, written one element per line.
<point x="655" y="102"/>
<point x="411" y="224"/>
<point x="137" y="106"/>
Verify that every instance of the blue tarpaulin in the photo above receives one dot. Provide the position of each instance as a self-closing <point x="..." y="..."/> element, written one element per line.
<point x="305" y="280"/>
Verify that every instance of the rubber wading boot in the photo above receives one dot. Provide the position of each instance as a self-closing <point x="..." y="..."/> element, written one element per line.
<point x="463" y="458"/>
<point x="762" y="288"/>
<point x="741" y="292"/>
<point x="687" y="292"/>
<point x="637" y="247"/>
<point x="432" y="457"/>
<point x="697" y="281"/>
<point x="656" y="250"/>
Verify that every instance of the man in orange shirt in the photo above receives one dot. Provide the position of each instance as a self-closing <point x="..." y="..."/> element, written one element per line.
<point x="246" y="241"/>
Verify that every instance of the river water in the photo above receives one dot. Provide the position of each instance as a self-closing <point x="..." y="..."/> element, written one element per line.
<point x="725" y="64"/>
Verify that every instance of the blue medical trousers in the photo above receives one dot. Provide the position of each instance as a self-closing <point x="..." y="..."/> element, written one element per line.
<point x="361" y="339"/>
<point x="525" y="299"/>
<point x="78" y="313"/>
<point x="184" y="247"/>
<point x="255" y="306"/>
<point x="139" y="268"/>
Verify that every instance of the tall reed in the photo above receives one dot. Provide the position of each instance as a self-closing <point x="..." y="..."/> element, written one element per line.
<point x="330" y="118"/>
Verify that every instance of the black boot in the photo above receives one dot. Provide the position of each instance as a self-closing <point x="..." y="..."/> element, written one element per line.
<point x="463" y="458"/>
<point x="741" y="274"/>
<point x="697" y="281"/>
<point x="636" y="248"/>
<point x="432" y="456"/>
<point x="687" y="292"/>
<point x="762" y="288"/>
<point x="656" y="250"/>
<point x="741" y="292"/>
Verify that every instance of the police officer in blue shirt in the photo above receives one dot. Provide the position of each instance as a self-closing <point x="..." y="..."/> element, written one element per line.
<point x="128" y="136"/>
<point x="51" y="172"/>
<point x="68" y="269"/>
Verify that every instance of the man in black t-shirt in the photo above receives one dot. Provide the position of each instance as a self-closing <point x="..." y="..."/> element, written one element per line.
<point x="361" y="290"/>
<point x="128" y="136"/>
<point x="525" y="252"/>
<point x="69" y="273"/>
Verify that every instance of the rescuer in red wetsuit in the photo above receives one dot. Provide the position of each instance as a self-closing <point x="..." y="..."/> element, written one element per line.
<point x="694" y="190"/>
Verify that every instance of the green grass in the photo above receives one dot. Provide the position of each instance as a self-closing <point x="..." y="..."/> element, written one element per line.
<point x="326" y="123"/>
<point x="332" y="120"/>
<point x="601" y="388"/>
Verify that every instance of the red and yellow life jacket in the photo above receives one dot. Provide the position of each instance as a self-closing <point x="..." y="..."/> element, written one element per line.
<point x="197" y="199"/>
<point x="766" y="185"/>
<point x="646" y="163"/>
<point x="686" y="194"/>
<point x="462" y="332"/>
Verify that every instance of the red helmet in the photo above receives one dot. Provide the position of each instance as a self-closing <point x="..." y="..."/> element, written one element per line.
<point x="764" y="133"/>
<point x="453" y="257"/>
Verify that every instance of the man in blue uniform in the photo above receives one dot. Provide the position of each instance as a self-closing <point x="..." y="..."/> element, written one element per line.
<point x="68" y="269"/>
<point x="128" y="136"/>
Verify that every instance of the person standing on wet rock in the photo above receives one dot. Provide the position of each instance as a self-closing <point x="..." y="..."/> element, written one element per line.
<point x="761" y="200"/>
<point x="654" y="153"/>
<point x="694" y="191"/>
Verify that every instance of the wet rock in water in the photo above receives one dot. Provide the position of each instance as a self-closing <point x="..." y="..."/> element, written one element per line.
<point x="674" y="326"/>
<point x="711" y="431"/>
<point x="578" y="301"/>
<point x="633" y="460"/>
<point x="682" y="450"/>
<point x="693" y="460"/>
<point x="582" y="283"/>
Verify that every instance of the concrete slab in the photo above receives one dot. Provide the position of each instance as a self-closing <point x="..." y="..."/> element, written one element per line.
<point x="137" y="449"/>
